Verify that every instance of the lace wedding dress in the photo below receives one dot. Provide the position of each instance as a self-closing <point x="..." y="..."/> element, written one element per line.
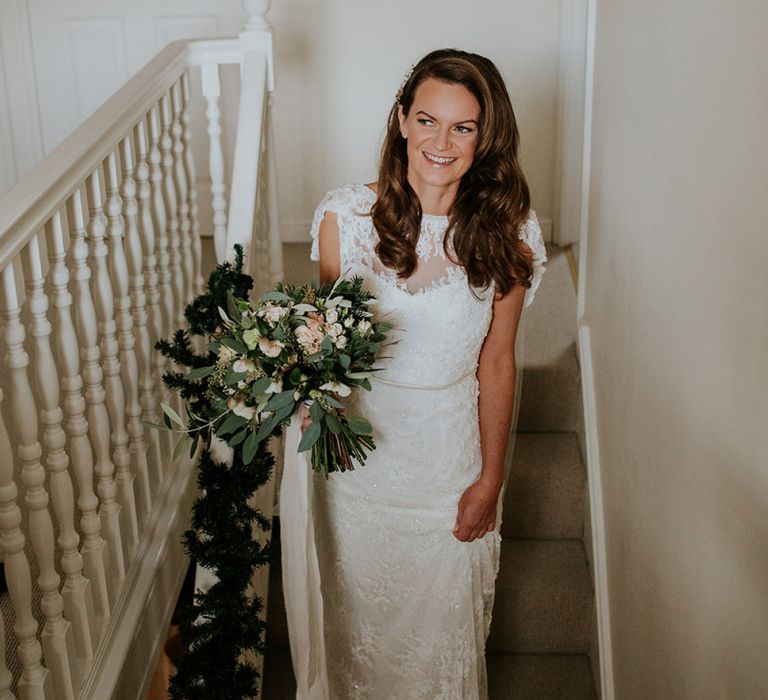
<point x="406" y="605"/>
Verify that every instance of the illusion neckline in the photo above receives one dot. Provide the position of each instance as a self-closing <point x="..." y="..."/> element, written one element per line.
<point x="424" y="217"/>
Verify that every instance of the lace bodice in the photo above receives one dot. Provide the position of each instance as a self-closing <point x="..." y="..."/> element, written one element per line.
<point x="439" y="323"/>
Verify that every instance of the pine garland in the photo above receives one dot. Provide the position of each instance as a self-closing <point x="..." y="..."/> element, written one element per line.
<point x="223" y="623"/>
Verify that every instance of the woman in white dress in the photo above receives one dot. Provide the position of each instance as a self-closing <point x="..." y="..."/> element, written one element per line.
<point x="408" y="544"/>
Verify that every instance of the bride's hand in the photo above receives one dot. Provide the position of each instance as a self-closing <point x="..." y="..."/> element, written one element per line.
<point x="305" y="419"/>
<point x="477" y="511"/>
<point x="304" y="413"/>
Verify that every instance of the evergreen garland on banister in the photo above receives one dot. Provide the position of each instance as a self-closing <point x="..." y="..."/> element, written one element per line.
<point x="223" y="622"/>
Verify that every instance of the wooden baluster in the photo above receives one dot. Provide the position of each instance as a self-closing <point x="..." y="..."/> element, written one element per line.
<point x="35" y="678"/>
<point x="98" y="418"/>
<point x="146" y="384"/>
<point x="77" y="601"/>
<point x="24" y="414"/>
<point x="118" y="269"/>
<point x="6" y="677"/>
<point x="148" y="231"/>
<point x="212" y="92"/>
<point x="182" y="197"/>
<point x="93" y="597"/>
<point x="166" y="226"/>
<point x="113" y="384"/>
<point x="172" y="211"/>
<point x="189" y="163"/>
<point x="159" y="220"/>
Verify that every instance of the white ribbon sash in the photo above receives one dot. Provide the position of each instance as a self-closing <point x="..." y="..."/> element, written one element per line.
<point x="301" y="572"/>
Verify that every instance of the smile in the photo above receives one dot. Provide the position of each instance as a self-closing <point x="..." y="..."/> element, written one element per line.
<point x="437" y="161"/>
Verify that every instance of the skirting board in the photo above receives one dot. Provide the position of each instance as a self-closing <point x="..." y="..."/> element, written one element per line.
<point x="297" y="231"/>
<point x="597" y="519"/>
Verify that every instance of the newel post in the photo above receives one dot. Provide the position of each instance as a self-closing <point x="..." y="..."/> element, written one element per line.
<point x="257" y="34"/>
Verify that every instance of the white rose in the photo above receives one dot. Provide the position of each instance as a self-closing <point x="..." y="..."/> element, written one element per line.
<point x="337" y="388"/>
<point x="244" y="365"/>
<point x="341" y="341"/>
<point x="331" y="316"/>
<point x="271" y="348"/>
<point x="274" y="313"/>
<point x="336" y="329"/>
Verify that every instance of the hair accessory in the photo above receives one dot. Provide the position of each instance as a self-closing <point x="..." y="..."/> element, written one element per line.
<point x="399" y="92"/>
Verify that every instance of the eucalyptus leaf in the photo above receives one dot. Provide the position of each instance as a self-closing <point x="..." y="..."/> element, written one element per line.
<point x="344" y="360"/>
<point x="200" y="372"/>
<point x="172" y="415"/>
<point x="284" y="398"/>
<point x="333" y="423"/>
<point x="235" y="345"/>
<point x="260" y="386"/>
<point x="316" y="412"/>
<point x="234" y="311"/>
<point x="234" y="377"/>
<point x="310" y="436"/>
<point x="249" y="448"/>
<point x="303" y="308"/>
<point x="231" y="423"/>
<point x="334" y="402"/>
<point x="274" y="296"/>
<point x="359" y="425"/>
<point x="283" y="413"/>
<point x="239" y="437"/>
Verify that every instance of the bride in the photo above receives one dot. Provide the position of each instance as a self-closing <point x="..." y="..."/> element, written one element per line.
<point x="408" y="545"/>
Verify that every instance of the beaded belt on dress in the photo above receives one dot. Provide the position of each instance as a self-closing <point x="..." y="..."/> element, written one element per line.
<point x="409" y="385"/>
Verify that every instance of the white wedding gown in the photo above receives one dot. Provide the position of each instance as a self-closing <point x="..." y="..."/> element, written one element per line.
<point x="406" y="605"/>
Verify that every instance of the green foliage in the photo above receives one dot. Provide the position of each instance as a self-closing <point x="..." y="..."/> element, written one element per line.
<point x="224" y="622"/>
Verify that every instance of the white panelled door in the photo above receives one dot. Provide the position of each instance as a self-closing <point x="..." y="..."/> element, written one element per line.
<point x="84" y="50"/>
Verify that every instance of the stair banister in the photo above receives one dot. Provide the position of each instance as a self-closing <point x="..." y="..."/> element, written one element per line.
<point x="99" y="254"/>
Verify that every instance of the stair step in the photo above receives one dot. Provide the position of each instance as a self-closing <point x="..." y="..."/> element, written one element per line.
<point x="543" y="602"/>
<point x="546" y="488"/>
<point x="551" y="376"/>
<point x="540" y="677"/>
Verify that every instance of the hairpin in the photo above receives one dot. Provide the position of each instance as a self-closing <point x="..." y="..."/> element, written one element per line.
<point x="399" y="92"/>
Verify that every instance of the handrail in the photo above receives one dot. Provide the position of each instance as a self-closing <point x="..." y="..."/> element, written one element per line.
<point x="36" y="197"/>
<point x="99" y="254"/>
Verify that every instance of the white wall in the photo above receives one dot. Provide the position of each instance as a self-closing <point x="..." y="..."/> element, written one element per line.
<point x="341" y="61"/>
<point x="677" y="306"/>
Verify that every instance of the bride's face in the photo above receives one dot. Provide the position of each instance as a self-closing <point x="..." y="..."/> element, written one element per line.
<point x="441" y="132"/>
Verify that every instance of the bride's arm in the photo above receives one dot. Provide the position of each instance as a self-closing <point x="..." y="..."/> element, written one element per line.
<point x="330" y="258"/>
<point x="496" y="378"/>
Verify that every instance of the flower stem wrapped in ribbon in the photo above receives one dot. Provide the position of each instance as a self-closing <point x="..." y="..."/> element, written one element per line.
<point x="310" y="343"/>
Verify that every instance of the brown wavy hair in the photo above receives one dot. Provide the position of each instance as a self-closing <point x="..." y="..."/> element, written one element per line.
<point x="493" y="199"/>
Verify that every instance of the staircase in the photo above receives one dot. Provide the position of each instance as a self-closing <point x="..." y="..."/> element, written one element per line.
<point x="543" y="629"/>
<point x="543" y="623"/>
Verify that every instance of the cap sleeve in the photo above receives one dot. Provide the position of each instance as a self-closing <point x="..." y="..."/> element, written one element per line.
<point x="530" y="233"/>
<point x="330" y="202"/>
<point x="351" y="204"/>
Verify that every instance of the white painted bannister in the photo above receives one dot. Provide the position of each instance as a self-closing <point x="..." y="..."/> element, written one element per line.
<point x="99" y="255"/>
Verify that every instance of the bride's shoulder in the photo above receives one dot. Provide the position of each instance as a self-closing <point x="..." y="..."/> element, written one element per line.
<point x="355" y="197"/>
<point x="350" y="203"/>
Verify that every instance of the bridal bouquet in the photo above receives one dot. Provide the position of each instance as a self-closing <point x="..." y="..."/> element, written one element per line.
<point x="310" y="343"/>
